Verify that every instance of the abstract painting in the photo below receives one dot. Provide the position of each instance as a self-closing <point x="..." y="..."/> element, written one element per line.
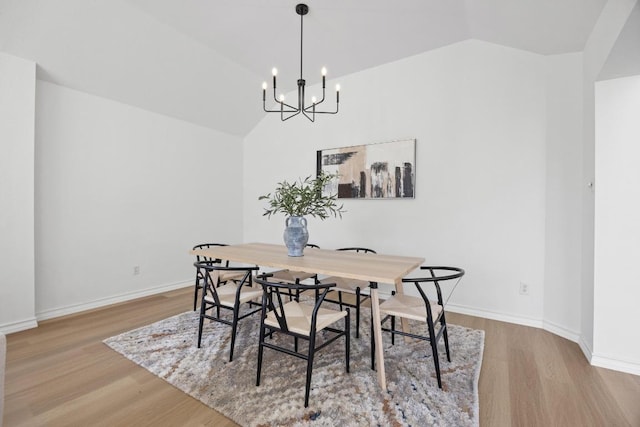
<point x="372" y="171"/>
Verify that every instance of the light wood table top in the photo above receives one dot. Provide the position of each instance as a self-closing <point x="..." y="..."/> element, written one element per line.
<point x="369" y="267"/>
<point x="373" y="268"/>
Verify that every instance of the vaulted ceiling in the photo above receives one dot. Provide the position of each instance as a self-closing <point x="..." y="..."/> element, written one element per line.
<point x="204" y="60"/>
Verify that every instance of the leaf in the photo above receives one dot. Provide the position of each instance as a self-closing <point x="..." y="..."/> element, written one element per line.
<point x="303" y="198"/>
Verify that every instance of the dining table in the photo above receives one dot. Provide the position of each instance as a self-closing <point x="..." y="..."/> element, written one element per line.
<point x="373" y="268"/>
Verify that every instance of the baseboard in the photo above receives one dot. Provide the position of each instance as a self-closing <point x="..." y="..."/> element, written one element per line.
<point x="493" y="315"/>
<point x="586" y="349"/>
<point x="630" y="367"/>
<point x="76" y="308"/>
<point x="11" y="327"/>
<point x="561" y="331"/>
<point x="518" y="320"/>
<point x="603" y="361"/>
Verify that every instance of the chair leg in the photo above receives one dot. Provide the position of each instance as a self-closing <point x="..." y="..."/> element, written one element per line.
<point x="434" y="351"/>
<point x="307" y="387"/>
<point x="357" y="312"/>
<point x="373" y="346"/>
<point x="234" y="328"/>
<point x="260" y="351"/>
<point x="196" y="292"/>
<point x="393" y="328"/>
<point x="340" y="299"/>
<point x="201" y="323"/>
<point x="347" y="337"/>
<point x="445" y="334"/>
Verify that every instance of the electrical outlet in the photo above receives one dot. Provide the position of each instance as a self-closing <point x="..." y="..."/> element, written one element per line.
<point x="524" y="289"/>
<point x="136" y="270"/>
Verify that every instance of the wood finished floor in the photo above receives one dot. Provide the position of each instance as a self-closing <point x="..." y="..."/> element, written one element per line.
<point x="61" y="374"/>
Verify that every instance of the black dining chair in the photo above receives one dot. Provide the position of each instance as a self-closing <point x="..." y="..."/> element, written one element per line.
<point x="350" y="286"/>
<point x="229" y="296"/>
<point x="223" y="277"/>
<point x="421" y="309"/>
<point x="300" y="320"/>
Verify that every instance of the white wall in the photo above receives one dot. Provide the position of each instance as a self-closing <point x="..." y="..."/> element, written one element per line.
<point x="118" y="187"/>
<point x="597" y="49"/>
<point x="617" y="231"/>
<point x="562" y="294"/>
<point x="477" y="111"/>
<point x="112" y="49"/>
<point x="17" y="110"/>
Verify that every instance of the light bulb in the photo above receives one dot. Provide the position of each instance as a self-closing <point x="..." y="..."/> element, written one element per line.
<point x="281" y="97"/>
<point x="324" y="71"/>
<point x="337" y="88"/>
<point x="274" y="71"/>
<point x="264" y="85"/>
<point x="313" y="99"/>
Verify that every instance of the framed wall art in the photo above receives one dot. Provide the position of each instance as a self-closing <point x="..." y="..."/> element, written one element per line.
<point x="373" y="171"/>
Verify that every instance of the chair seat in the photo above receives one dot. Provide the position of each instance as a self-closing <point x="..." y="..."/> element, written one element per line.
<point x="409" y="307"/>
<point x="227" y="294"/>
<point x="290" y="276"/>
<point x="346" y="285"/>
<point x="299" y="317"/>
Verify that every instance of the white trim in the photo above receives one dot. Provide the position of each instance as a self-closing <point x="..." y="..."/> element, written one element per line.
<point x="586" y="350"/>
<point x="11" y="327"/>
<point x="561" y="331"/>
<point x="546" y="325"/>
<point x="89" y="305"/>
<point x="518" y="320"/>
<point x="628" y="366"/>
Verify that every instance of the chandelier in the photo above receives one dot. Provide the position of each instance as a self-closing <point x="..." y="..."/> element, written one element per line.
<point x="288" y="111"/>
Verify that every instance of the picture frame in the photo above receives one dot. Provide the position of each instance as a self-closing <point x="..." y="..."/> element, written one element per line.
<point x="372" y="171"/>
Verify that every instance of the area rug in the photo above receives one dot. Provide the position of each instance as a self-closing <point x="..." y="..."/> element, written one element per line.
<point x="168" y="349"/>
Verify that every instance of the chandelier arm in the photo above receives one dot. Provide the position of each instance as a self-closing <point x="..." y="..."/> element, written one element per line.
<point x="317" y="103"/>
<point x="322" y="100"/>
<point x="314" y="106"/>
<point x="277" y="101"/>
<point x="284" y="104"/>
<point x="329" y="112"/>
<point x="283" y="118"/>
<point x="311" y="118"/>
<point x="278" y="111"/>
<point x="291" y="110"/>
<point x="323" y="112"/>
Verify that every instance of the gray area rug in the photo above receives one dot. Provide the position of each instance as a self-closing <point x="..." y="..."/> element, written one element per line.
<point x="168" y="349"/>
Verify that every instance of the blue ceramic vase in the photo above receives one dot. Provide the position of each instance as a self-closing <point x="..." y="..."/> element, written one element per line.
<point x="296" y="235"/>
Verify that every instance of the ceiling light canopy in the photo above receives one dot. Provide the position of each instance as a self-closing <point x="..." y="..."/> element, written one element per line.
<point x="288" y="111"/>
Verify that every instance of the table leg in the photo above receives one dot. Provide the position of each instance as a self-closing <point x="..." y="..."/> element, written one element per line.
<point x="377" y="335"/>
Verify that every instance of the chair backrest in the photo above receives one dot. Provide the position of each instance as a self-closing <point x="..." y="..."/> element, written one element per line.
<point x="274" y="291"/>
<point x="205" y="268"/>
<point x="358" y="249"/>
<point x="436" y="276"/>
<point x="200" y="258"/>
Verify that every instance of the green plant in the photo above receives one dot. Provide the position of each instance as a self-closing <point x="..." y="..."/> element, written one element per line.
<point x="303" y="197"/>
